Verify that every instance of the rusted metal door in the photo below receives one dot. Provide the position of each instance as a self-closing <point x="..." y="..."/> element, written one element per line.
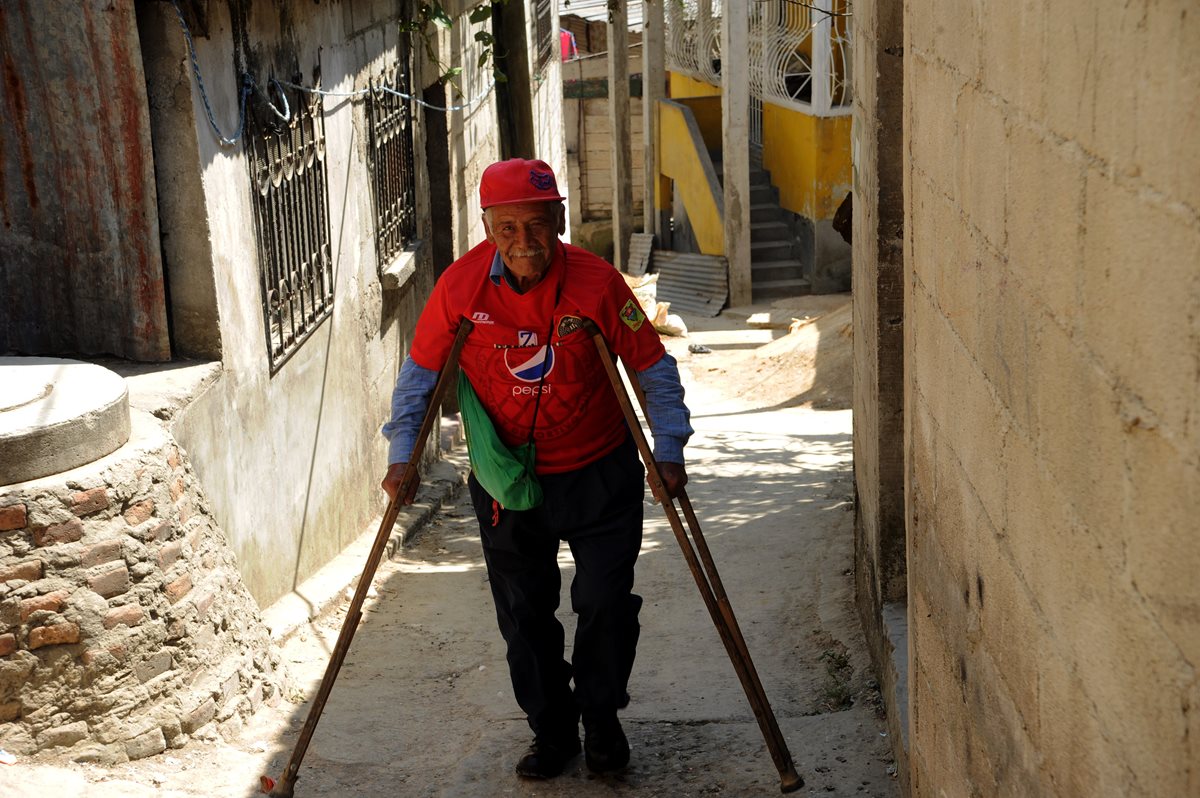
<point x="80" y="263"/>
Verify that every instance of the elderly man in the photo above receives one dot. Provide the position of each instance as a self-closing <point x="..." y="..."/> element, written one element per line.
<point x="539" y="377"/>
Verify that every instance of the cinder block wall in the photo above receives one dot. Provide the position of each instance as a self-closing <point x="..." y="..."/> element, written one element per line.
<point x="1052" y="405"/>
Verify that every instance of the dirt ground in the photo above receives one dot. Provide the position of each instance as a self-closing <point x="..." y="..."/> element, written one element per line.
<point x="423" y="706"/>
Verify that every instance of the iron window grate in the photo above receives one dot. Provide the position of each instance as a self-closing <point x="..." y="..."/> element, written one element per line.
<point x="391" y="162"/>
<point x="291" y="215"/>
<point x="545" y="34"/>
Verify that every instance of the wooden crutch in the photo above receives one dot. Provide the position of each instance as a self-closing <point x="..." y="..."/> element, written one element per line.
<point x="704" y="571"/>
<point x="287" y="781"/>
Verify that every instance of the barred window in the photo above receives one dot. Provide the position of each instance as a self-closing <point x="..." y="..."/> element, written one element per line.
<point x="288" y="174"/>
<point x="546" y="39"/>
<point x="391" y="162"/>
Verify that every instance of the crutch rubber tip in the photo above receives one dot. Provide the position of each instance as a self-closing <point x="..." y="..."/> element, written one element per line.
<point x="281" y="789"/>
<point x="791" y="782"/>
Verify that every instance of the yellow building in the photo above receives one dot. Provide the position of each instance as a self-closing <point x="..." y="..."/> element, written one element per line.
<point x="797" y="134"/>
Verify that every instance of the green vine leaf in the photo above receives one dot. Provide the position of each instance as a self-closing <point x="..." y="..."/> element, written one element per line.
<point x="481" y="14"/>
<point x="432" y="13"/>
<point x="439" y="15"/>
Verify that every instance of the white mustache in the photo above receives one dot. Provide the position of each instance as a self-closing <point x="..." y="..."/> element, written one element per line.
<point x="525" y="253"/>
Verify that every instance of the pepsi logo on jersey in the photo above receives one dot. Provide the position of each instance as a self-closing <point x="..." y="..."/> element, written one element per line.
<point x="529" y="368"/>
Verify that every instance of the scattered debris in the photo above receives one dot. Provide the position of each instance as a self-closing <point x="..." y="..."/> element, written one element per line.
<point x="699" y="349"/>
<point x="645" y="291"/>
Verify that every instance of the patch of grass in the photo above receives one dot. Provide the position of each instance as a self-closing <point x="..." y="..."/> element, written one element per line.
<point x="836" y="693"/>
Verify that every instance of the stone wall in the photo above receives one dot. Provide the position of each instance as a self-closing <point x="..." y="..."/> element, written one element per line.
<point x="125" y="628"/>
<point x="1052" y="403"/>
<point x="474" y="137"/>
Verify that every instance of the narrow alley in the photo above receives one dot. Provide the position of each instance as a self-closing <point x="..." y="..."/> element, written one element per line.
<point x="423" y="706"/>
<point x="939" y="269"/>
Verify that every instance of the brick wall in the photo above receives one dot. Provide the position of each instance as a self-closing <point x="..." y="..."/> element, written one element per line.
<point x="1052" y="418"/>
<point x="125" y="628"/>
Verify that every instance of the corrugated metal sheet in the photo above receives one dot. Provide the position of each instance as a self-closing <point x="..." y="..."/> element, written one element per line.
<point x="692" y="282"/>
<point x="80" y="260"/>
<point x="640" y="247"/>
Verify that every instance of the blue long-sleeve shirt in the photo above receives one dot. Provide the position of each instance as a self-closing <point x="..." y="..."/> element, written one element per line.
<point x="670" y="418"/>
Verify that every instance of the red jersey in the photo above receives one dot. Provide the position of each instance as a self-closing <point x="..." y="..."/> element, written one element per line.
<point x="518" y="336"/>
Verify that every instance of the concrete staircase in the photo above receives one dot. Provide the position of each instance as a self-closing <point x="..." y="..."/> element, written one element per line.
<point x="774" y="270"/>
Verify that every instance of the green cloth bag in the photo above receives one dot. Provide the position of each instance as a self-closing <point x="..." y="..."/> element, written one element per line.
<point x="506" y="474"/>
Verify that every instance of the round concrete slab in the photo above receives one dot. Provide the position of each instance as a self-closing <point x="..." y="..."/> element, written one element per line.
<point x="57" y="414"/>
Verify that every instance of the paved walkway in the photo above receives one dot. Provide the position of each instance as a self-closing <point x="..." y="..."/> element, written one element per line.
<point x="423" y="706"/>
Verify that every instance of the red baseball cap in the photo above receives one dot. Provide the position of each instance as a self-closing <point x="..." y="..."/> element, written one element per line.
<point x="518" y="180"/>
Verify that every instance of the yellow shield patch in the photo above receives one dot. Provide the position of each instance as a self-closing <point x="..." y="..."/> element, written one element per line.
<point x="632" y="315"/>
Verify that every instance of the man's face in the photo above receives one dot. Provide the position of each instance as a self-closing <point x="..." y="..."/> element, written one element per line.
<point x="525" y="235"/>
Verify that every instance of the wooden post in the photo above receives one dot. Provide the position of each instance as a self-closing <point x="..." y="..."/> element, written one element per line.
<point x="735" y="145"/>
<point x="654" y="77"/>
<point x="618" y="116"/>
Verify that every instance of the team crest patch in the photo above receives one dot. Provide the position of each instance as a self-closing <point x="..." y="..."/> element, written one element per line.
<point x="568" y="325"/>
<point x="632" y="315"/>
<point x="542" y="181"/>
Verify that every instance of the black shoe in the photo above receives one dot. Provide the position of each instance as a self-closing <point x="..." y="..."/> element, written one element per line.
<point x="546" y="759"/>
<point x="604" y="745"/>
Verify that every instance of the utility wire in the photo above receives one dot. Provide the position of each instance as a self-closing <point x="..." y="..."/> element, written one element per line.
<point x="809" y="6"/>
<point x="250" y="86"/>
<point x="362" y="92"/>
<point x="244" y="92"/>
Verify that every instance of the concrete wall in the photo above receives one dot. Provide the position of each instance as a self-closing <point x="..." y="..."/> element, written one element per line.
<point x="1052" y="321"/>
<point x="549" y="137"/>
<point x="680" y="86"/>
<point x="808" y="158"/>
<point x="80" y="271"/>
<point x="291" y="461"/>
<point x="474" y="132"/>
<point x="695" y="186"/>
<point x="878" y="262"/>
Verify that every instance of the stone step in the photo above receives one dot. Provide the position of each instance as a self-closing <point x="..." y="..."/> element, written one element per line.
<point x="763" y="193"/>
<point x="758" y="176"/>
<point x="773" y="270"/>
<point x="775" y="289"/>
<point x="765" y="212"/>
<point x="770" y="231"/>
<point x="769" y="250"/>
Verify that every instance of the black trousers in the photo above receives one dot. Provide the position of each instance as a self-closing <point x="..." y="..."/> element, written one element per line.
<point x="597" y="510"/>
